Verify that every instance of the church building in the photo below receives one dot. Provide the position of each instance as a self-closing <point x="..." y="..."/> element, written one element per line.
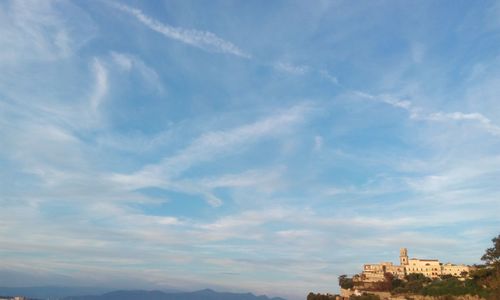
<point x="431" y="268"/>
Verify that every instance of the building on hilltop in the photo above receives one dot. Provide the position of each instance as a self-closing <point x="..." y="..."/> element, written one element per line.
<point x="431" y="268"/>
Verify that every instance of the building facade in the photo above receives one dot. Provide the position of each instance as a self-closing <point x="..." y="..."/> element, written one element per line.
<point x="431" y="268"/>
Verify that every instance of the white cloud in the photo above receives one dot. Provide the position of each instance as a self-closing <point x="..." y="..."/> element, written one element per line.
<point x="330" y="77"/>
<point x="136" y="141"/>
<point x="206" y="148"/>
<point x="290" y="68"/>
<point x="457" y="175"/>
<point x="318" y="143"/>
<point x="168" y="220"/>
<point x="294" y="234"/>
<point x="201" y="39"/>
<point x="101" y="85"/>
<point x="127" y="62"/>
<point x="418" y="113"/>
<point x="259" y="179"/>
<point x="213" y="200"/>
<point x="245" y="225"/>
<point x="122" y="60"/>
<point x="483" y="121"/>
<point x="417" y="51"/>
<point x="65" y="105"/>
<point x="210" y="145"/>
<point x="404" y="104"/>
<point x="38" y="31"/>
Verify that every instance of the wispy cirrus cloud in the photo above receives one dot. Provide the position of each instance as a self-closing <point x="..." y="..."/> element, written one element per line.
<point x="101" y="85"/>
<point x="37" y="31"/>
<point x="291" y="68"/>
<point x="213" y="144"/>
<point x="484" y="122"/>
<point x="127" y="62"/>
<point x="122" y="200"/>
<point x="265" y="179"/>
<point x="329" y="77"/>
<point x="206" y="148"/>
<point x="202" y="39"/>
<point x="419" y="113"/>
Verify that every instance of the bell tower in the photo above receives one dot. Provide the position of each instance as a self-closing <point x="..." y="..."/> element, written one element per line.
<point x="403" y="256"/>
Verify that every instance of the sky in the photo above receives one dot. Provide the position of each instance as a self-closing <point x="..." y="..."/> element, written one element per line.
<point x="250" y="146"/>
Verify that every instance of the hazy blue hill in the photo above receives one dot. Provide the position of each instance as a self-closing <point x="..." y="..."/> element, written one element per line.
<point x="52" y="292"/>
<point x="158" y="295"/>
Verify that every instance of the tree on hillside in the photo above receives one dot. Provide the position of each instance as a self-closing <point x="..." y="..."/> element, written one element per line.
<point x="492" y="255"/>
<point x="386" y="285"/>
<point x="313" y="296"/>
<point x="345" y="282"/>
<point x="491" y="276"/>
<point x="418" y="277"/>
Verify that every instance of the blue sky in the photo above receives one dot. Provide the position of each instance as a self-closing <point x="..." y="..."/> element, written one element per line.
<point x="245" y="146"/>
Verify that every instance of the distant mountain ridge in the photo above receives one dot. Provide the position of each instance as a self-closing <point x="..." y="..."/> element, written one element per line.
<point x="51" y="292"/>
<point x="206" y="294"/>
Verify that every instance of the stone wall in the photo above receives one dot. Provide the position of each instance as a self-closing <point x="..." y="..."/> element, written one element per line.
<point x="346" y="293"/>
<point x="420" y="297"/>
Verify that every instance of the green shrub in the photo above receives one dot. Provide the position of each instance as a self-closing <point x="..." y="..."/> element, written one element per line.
<point x="345" y="282"/>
